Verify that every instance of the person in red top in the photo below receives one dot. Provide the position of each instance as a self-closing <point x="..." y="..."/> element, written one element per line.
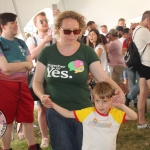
<point x="126" y="44"/>
<point x="133" y="77"/>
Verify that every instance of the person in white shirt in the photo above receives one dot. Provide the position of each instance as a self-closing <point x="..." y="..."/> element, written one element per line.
<point x="142" y="41"/>
<point x="35" y="45"/>
<point x="96" y="43"/>
<point x="104" y="30"/>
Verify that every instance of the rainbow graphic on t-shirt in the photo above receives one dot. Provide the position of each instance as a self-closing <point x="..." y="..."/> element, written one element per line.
<point x="95" y="120"/>
<point x="77" y="66"/>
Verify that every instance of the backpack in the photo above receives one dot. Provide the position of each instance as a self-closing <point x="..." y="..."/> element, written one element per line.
<point x="132" y="57"/>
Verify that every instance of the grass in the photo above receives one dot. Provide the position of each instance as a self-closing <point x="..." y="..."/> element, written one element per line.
<point x="129" y="138"/>
<point x="18" y="144"/>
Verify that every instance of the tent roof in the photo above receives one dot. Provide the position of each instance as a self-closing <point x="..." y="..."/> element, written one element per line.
<point x="101" y="11"/>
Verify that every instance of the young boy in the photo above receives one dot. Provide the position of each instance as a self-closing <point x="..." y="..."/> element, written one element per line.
<point x="100" y="123"/>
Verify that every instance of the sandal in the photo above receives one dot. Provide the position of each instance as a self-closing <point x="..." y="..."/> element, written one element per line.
<point x="44" y="143"/>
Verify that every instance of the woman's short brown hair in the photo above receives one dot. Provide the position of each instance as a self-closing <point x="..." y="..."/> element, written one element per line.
<point x="73" y="15"/>
<point x="103" y="89"/>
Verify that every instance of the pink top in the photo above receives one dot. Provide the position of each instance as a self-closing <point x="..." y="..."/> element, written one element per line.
<point x="115" y="54"/>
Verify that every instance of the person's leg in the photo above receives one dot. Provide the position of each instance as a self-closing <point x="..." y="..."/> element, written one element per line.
<point x="43" y="124"/>
<point x="125" y="78"/>
<point x="8" y="106"/>
<point x="6" y="138"/>
<point x="134" y="84"/>
<point x="29" y="133"/>
<point x="142" y="100"/>
<point x="65" y="133"/>
<point x="42" y="121"/>
<point x="116" y="75"/>
<point x="26" y="107"/>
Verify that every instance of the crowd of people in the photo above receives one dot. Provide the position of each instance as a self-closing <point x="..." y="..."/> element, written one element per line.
<point x="64" y="67"/>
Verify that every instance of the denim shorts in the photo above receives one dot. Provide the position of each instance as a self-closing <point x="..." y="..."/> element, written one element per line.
<point x="65" y="133"/>
<point x="125" y="74"/>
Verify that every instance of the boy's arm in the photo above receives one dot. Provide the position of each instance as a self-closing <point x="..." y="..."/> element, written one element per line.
<point x="64" y="112"/>
<point x="130" y="114"/>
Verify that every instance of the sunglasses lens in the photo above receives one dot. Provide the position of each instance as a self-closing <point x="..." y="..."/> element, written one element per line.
<point x="76" y="32"/>
<point x="42" y="21"/>
<point x="67" y="32"/>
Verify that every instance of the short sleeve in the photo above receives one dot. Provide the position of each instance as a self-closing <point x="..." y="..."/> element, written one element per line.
<point x="80" y="115"/>
<point x="118" y="115"/>
<point x="30" y="41"/>
<point x="99" y="46"/>
<point x="43" y="55"/>
<point x="90" y="54"/>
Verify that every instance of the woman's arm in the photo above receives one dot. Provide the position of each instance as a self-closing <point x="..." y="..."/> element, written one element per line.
<point x="39" y="80"/>
<point x="98" y="72"/>
<point x="99" y="52"/>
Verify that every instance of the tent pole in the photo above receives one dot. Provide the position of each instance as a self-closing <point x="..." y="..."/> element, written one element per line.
<point x="19" y="21"/>
<point x="63" y="5"/>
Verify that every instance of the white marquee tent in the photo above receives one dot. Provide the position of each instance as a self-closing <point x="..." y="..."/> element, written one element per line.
<point x="101" y="11"/>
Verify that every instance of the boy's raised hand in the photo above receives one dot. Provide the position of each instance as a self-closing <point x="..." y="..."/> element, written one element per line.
<point x="116" y="101"/>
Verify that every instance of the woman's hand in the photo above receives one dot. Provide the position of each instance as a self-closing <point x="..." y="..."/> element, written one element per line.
<point x="46" y="101"/>
<point x="119" y="96"/>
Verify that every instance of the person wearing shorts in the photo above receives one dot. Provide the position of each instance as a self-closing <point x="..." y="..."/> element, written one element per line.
<point x="142" y="41"/>
<point x="16" y="101"/>
<point x="36" y="44"/>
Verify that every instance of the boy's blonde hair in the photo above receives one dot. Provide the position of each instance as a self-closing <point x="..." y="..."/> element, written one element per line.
<point x="73" y="15"/>
<point x="103" y="90"/>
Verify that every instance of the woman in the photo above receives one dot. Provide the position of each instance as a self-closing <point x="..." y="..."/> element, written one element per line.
<point x="96" y="43"/>
<point x="64" y="67"/>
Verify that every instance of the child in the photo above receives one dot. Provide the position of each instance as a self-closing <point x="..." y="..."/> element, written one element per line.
<point x="100" y="123"/>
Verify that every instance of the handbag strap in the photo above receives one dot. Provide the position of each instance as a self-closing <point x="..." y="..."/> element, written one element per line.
<point x="144" y="50"/>
<point x="135" y="32"/>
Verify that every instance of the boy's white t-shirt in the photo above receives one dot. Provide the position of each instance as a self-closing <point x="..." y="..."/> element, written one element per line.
<point x="99" y="130"/>
<point x="103" y="58"/>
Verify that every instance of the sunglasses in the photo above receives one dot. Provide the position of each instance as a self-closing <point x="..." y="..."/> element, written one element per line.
<point x="67" y="32"/>
<point x="42" y="21"/>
